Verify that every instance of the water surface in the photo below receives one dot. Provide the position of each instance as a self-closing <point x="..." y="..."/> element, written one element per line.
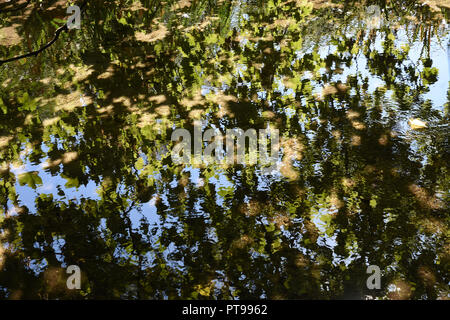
<point x="87" y="178"/>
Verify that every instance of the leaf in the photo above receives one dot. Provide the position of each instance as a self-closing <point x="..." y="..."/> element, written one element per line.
<point x="204" y="290"/>
<point x="31" y="179"/>
<point x="373" y="203"/>
<point x="3" y="107"/>
<point x="72" y="183"/>
<point x="139" y="164"/>
<point x="123" y="21"/>
<point x="276" y="245"/>
<point x="225" y="192"/>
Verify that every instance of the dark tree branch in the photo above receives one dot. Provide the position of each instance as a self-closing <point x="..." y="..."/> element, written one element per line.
<point x="35" y="53"/>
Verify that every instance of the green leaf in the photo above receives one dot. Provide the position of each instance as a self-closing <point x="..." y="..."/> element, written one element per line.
<point x="31" y="179"/>
<point x="139" y="164"/>
<point x="3" y="107"/>
<point x="270" y="227"/>
<point x="72" y="183"/>
<point x="123" y="21"/>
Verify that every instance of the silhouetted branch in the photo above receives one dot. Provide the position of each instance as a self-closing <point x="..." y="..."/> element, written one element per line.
<point x="36" y="52"/>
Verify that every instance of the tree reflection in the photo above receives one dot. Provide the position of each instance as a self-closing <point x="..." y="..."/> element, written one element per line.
<point x="356" y="186"/>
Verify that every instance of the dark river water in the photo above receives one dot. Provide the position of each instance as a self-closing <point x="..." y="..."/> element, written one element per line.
<point x="353" y="99"/>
